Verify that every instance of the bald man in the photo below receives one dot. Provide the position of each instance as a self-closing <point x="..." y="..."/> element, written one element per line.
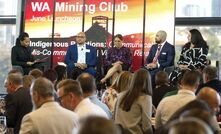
<point x="161" y="54"/>
<point x="211" y="97"/>
<point x="80" y="57"/>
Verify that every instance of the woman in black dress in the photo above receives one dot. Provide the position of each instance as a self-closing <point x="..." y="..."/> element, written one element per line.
<point x="21" y="54"/>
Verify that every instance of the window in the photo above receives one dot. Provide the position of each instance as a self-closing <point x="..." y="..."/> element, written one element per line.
<point x="204" y="16"/>
<point x="198" y="8"/>
<point x="8" y="10"/>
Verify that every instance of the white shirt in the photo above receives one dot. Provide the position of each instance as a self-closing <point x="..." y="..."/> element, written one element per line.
<point x="86" y="108"/>
<point x="162" y="44"/>
<point x="81" y="53"/>
<point x="169" y="105"/>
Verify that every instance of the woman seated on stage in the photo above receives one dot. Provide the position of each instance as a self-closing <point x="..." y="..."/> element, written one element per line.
<point x="118" y="58"/>
<point x="21" y="54"/>
<point x="193" y="54"/>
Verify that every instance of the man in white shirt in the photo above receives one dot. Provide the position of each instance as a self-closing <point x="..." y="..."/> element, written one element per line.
<point x="71" y="97"/>
<point x="80" y="57"/>
<point x="169" y="105"/>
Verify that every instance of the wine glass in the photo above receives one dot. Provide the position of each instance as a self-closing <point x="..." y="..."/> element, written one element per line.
<point x="3" y="127"/>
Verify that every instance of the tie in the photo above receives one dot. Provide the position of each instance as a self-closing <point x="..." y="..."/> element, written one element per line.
<point x="157" y="54"/>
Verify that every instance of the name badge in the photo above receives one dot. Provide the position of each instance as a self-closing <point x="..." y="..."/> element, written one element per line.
<point x="87" y="50"/>
<point x="163" y="53"/>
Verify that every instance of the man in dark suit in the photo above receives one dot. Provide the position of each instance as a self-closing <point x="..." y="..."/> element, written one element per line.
<point x="161" y="54"/>
<point x="80" y="57"/>
<point x="17" y="102"/>
<point x="210" y="79"/>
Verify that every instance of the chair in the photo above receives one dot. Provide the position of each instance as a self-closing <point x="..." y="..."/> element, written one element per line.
<point x="169" y="69"/>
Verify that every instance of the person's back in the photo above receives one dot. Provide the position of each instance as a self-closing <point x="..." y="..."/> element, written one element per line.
<point x="136" y="114"/>
<point x="162" y="87"/>
<point x="210" y="79"/>
<point x="133" y="109"/>
<point x="88" y="86"/>
<point x="159" y="92"/>
<point x="169" y="105"/>
<point x="86" y="108"/>
<point x="17" y="101"/>
<point x="21" y="101"/>
<point x="51" y="118"/>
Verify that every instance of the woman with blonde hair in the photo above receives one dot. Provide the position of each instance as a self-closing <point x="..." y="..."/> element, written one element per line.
<point x="120" y="84"/>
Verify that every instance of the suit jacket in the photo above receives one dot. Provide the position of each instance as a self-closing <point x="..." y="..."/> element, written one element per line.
<point x="72" y="56"/>
<point x="17" y="105"/>
<point x="166" y="57"/>
<point x="50" y="118"/>
<point x="215" y="84"/>
<point x="159" y="92"/>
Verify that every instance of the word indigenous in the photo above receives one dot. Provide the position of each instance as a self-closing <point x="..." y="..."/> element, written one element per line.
<point x="76" y="7"/>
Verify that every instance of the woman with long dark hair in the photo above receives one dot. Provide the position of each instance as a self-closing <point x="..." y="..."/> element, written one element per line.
<point x="133" y="109"/>
<point x="193" y="54"/>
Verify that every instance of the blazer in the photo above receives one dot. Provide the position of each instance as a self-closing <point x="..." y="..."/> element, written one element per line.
<point x="138" y="119"/>
<point x="17" y="105"/>
<point x="215" y="84"/>
<point x="20" y="55"/>
<point x="72" y="56"/>
<point x="166" y="57"/>
<point x="50" y="118"/>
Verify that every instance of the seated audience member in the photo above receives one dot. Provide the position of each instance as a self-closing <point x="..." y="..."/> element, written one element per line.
<point x="118" y="58"/>
<point x="50" y="117"/>
<point x="17" y="101"/>
<point x="161" y="55"/>
<point x="27" y="81"/>
<point x="197" y="108"/>
<point x="80" y="57"/>
<point x="169" y="105"/>
<point x="15" y="71"/>
<point x="61" y="74"/>
<point x="194" y="104"/>
<point x="211" y="97"/>
<point x="189" y="125"/>
<point x="97" y="125"/>
<point x="162" y="87"/>
<point x="71" y="97"/>
<point x="51" y="75"/>
<point x="133" y="109"/>
<point x="208" y="100"/>
<point x="88" y="86"/>
<point x="36" y="73"/>
<point x="121" y="84"/>
<point x="203" y="115"/>
<point x="210" y="79"/>
<point x="21" y="54"/>
<point x="193" y="54"/>
<point x="177" y="84"/>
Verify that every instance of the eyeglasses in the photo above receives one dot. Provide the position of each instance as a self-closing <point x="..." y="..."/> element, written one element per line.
<point x="60" y="98"/>
<point x="80" y="36"/>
